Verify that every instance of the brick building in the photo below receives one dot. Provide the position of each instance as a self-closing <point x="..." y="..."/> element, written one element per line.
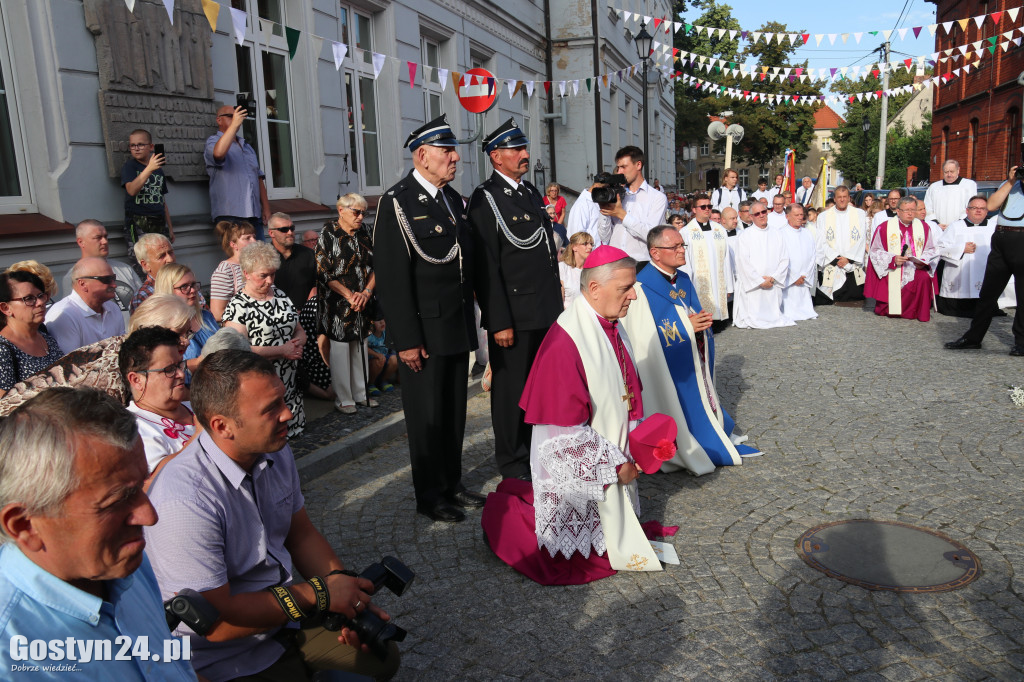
<point x="977" y="117"/>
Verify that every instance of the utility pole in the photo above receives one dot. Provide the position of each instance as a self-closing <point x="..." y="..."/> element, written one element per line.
<point x="880" y="178"/>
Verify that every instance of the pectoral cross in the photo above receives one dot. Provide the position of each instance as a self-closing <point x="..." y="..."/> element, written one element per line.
<point x="628" y="398"/>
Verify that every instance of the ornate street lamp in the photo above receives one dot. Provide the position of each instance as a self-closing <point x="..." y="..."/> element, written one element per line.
<point x="643" y="41"/>
<point x="865" y="126"/>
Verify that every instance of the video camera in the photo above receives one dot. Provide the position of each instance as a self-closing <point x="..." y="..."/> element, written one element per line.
<point x="372" y="630"/>
<point x="192" y="609"/>
<point x="614" y="187"/>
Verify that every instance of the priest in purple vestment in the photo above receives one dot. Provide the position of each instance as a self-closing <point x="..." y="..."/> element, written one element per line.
<point x="578" y="520"/>
<point x="902" y="252"/>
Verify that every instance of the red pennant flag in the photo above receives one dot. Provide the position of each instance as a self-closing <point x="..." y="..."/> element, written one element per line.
<point x="657" y="23"/>
<point x="805" y="36"/>
<point x="874" y="72"/>
<point x="878" y="92"/>
<point x="908" y="62"/>
<point x="746" y="92"/>
<point x="799" y="70"/>
<point x="851" y="98"/>
<point x="412" y="73"/>
<point x="675" y="51"/>
<point x="547" y="86"/>
<point x="995" y="17"/>
<point x="796" y="97"/>
<point x="762" y="76"/>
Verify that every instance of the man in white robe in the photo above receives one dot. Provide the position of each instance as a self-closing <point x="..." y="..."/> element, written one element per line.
<point x="762" y="192"/>
<point x="964" y="249"/>
<point x="840" y="247"/>
<point x="892" y="200"/>
<point x="761" y="267"/>
<point x="709" y="264"/>
<point x="802" y="276"/>
<point x="777" y="218"/>
<point x="946" y="201"/>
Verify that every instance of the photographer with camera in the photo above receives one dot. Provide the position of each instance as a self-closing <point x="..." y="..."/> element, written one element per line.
<point x="234" y="527"/>
<point x="637" y="207"/>
<point x="1005" y="260"/>
<point x="585" y="215"/>
<point x="238" y="192"/>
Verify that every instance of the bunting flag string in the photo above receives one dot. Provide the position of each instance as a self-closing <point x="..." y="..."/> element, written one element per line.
<point x="664" y="25"/>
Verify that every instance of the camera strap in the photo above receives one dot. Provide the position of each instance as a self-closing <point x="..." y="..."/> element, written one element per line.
<point x="523" y="244"/>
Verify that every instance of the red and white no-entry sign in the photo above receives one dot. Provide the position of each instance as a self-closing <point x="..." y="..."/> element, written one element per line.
<point x="477" y="91"/>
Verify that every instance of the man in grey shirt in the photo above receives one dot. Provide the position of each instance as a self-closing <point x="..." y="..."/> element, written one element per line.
<point x="233" y="523"/>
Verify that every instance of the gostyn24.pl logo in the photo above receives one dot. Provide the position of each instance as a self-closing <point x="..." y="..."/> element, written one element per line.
<point x="71" y="651"/>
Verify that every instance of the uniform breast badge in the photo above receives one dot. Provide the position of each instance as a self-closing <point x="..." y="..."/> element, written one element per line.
<point x="423" y="198"/>
<point x="508" y="191"/>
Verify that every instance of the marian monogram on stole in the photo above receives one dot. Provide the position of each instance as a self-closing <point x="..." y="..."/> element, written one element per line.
<point x="670" y="331"/>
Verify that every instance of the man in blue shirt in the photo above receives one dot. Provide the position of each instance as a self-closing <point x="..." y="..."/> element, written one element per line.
<point x="1005" y="260"/>
<point x="237" y="189"/>
<point x="77" y="591"/>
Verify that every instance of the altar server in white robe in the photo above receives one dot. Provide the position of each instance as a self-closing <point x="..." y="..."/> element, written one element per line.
<point x="892" y="200"/>
<point x="802" y="277"/>
<point x="708" y="263"/>
<point x="840" y="250"/>
<point x="761" y="268"/>
<point x="947" y="200"/>
<point x="777" y="217"/>
<point x="964" y="247"/>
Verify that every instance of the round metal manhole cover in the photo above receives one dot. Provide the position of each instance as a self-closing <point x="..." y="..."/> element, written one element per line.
<point x="887" y="555"/>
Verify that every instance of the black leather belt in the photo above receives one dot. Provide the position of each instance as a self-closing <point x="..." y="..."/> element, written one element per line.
<point x="1009" y="228"/>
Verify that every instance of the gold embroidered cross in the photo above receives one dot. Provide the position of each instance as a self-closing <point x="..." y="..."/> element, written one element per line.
<point x="628" y="398"/>
<point x="636" y="563"/>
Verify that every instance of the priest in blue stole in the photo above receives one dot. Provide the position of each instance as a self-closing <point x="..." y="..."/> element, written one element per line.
<point x="675" y="354"/>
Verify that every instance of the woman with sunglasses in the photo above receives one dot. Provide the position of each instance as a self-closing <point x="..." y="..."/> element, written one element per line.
<point x="24" y="348"/>
<point x="345" y="283"/>
<point x="151" y="364"/>
<point x="179" y="280"/>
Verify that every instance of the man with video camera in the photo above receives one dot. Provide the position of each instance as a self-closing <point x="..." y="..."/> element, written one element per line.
<point x="1005" y="260"/>
<point x="234" y="527"/>
<point x="637" y="206"/>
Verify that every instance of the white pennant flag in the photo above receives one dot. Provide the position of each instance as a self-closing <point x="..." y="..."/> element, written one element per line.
<point x="754" y="37"/>
<point x="1012" y="13"/>
<point x="169" y="6"/>
<point x="979" y="20"/>
<point x="931" y="29"/>
<point x="529" y="89"/>
<point x="887" y="33"/>
<point x="561" y="88"/>
<point x="946" y="25"/>
<point x="315" y="42"/>
<point x="733" y="34"/>
<point x="511" y="87"/>
<point x="130" y="4"/>
<point x="768" y="38"/>
<point x="378" y="63"/>
<point x="831" y="38"/>
<point x="575" y="88"/>
<point x="339" y="50"/>
<point x="626" y="16"/>
<point x="721" y="33"/>
<point x="267" y="29"/>
<point x="903" y="33"/>
<point x="845" y="37"/>
<point x="238" y="22"/>
<point x="818" y="37"/>
<point x="442" y="78"/>
<point x="647" y="20"/>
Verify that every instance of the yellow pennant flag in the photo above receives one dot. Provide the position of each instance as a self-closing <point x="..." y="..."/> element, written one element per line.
<point x="456" y="77"/>
<point x="963" y="24"/>
<point x="212" y="10"/>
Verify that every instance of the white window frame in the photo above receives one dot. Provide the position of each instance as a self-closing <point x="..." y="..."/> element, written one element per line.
<point x="826" y="144"/>
<point x="23" y="202"/>
<point x="277" y="45"/>
<point x="705" y="149"/>
<point x="431" y="87"/>
<point x="744" y="177"/>
<point x="358" y="69"/>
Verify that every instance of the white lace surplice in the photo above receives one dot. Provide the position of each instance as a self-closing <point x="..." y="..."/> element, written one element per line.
<point x="572" y="466"/>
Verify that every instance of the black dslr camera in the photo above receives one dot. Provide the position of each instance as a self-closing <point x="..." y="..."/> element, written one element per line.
<point x="192" y="609"/>
<point x="614" y="186"/>
<point x="374" y="632"/>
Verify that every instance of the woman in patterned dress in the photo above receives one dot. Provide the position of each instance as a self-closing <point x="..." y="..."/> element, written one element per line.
<point x="267" y="316"/>
<point x="345" y="283"/>
<point x="24" y="349"/>
<point x="227" y="279"/>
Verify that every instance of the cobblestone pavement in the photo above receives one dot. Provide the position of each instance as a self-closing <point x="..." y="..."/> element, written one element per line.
<point x="859" y="417"/>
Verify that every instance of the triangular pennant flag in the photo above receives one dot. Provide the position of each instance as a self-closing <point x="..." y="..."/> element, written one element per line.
<point x="903" y="33"/>
<point x="754" y="36"/>
<point x="238" y="23"/>
<point x="845" y="37"/>
<point x="378" y="63"/>
<point x="131" y="6"/>
<point x="519" y="86"/>
<point x="547" y="87"/>
<point x="996" y="16"/>
<point x="576" y="87"/>
<point x="210" y="8"/>
<point x="529" y="89"/>
<point x="806" y="37"/>
<point x="917" y="31"/>
<point x="818" y="37"/>
<point x="315" y="43"/>
<point x="267" y="29"/>
<point x="992" y="40"/>
<point x="1012" y="13"/>
<point x="963" y="24"/>
<point x="456" y="82"/>
<point x="412" y="73"/>
<point x="991" y="49"/>
<point x="292" y="36"/>
<point x="947" y="26"/>
<point x="931" y="28"/>
<point x="887" y="33"/>
<point x="510" y="84"/>
<point x="169" y="6"/>
<point x="339" y="50"/>
<point x="657" y="23"/>
<point x="979" y="20"/>
<point x="626" y="16"/>
<point x="561" y="88"/>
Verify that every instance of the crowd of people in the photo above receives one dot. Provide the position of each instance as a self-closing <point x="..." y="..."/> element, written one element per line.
<point x="599" y="339"/>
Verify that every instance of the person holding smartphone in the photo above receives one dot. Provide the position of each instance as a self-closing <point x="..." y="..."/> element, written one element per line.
<point x="142" y="177"/>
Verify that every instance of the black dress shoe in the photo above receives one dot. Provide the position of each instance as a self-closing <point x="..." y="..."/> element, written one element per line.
<point x="469" y="500"/>
<point x="442" y="511"/>
<point x="1017" y="351"/>
<point x="962" y="344"/>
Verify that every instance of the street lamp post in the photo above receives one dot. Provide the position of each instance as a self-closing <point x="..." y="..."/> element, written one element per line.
<point x="643" y="41"/>
<point x="865" y="126"/>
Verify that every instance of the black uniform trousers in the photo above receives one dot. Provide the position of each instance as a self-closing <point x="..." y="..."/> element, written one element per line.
<point x="509" y="369"/>
<point x="1005" y="259"/>
<point x="434" y="400"/>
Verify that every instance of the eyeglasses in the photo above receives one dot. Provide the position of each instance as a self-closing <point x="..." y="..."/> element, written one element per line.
<point x="32" y="299"/>
<point x="189" y="286"/>
<point x="139" y="145"/>
<point x="187" y="335"/>
<point x="978" y="208"/>
<point x="703" y="207"/>
<point x="355" y="211"/>
<point x="678" y="247"/>
<point x="286" y="228"/>
<point x="225" y="115"/>
<point x="105" y="279"/>
<point x="758" y="213"/>
<point x="314" y="241"/>
<point x="170" y="371"/>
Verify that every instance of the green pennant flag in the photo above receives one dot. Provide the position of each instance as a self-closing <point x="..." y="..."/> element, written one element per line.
<point x="874" y="33"/>
<point x="292" y="35"/>
<point x="991" y="49"/>
<point x="992" y="40"/>
<point x="588" y="85"/>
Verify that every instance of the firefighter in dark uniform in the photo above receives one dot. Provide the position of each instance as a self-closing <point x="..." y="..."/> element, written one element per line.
<point x="423" y="259"/>
<point x="517" y="286"/>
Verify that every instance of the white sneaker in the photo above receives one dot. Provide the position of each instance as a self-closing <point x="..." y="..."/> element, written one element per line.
<point x="346" y="409"/>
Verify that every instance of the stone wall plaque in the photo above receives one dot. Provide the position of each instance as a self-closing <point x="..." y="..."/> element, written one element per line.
<point x="157" y="76"/>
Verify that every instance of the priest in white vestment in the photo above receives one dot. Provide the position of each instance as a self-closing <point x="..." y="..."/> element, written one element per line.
<point x="964" y="249"/>
<point x="892" y="200"/>
<point x="578" y="520"/>
<point x="840" y="250"/>
<point x="946" y="201"/>
<point x="709" y="264"/>
<point x="777" y="217"/>
<point x="900" y="276"/>
<point x="761" y="268"/>
<point x="802" y="276"/>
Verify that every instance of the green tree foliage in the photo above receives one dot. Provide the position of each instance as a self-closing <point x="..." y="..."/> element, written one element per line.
<point x="769" y="128"/>
<point x="902" y="148"/>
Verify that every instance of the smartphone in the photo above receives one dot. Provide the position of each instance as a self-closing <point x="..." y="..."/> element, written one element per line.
<point x="158" y="148"/>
